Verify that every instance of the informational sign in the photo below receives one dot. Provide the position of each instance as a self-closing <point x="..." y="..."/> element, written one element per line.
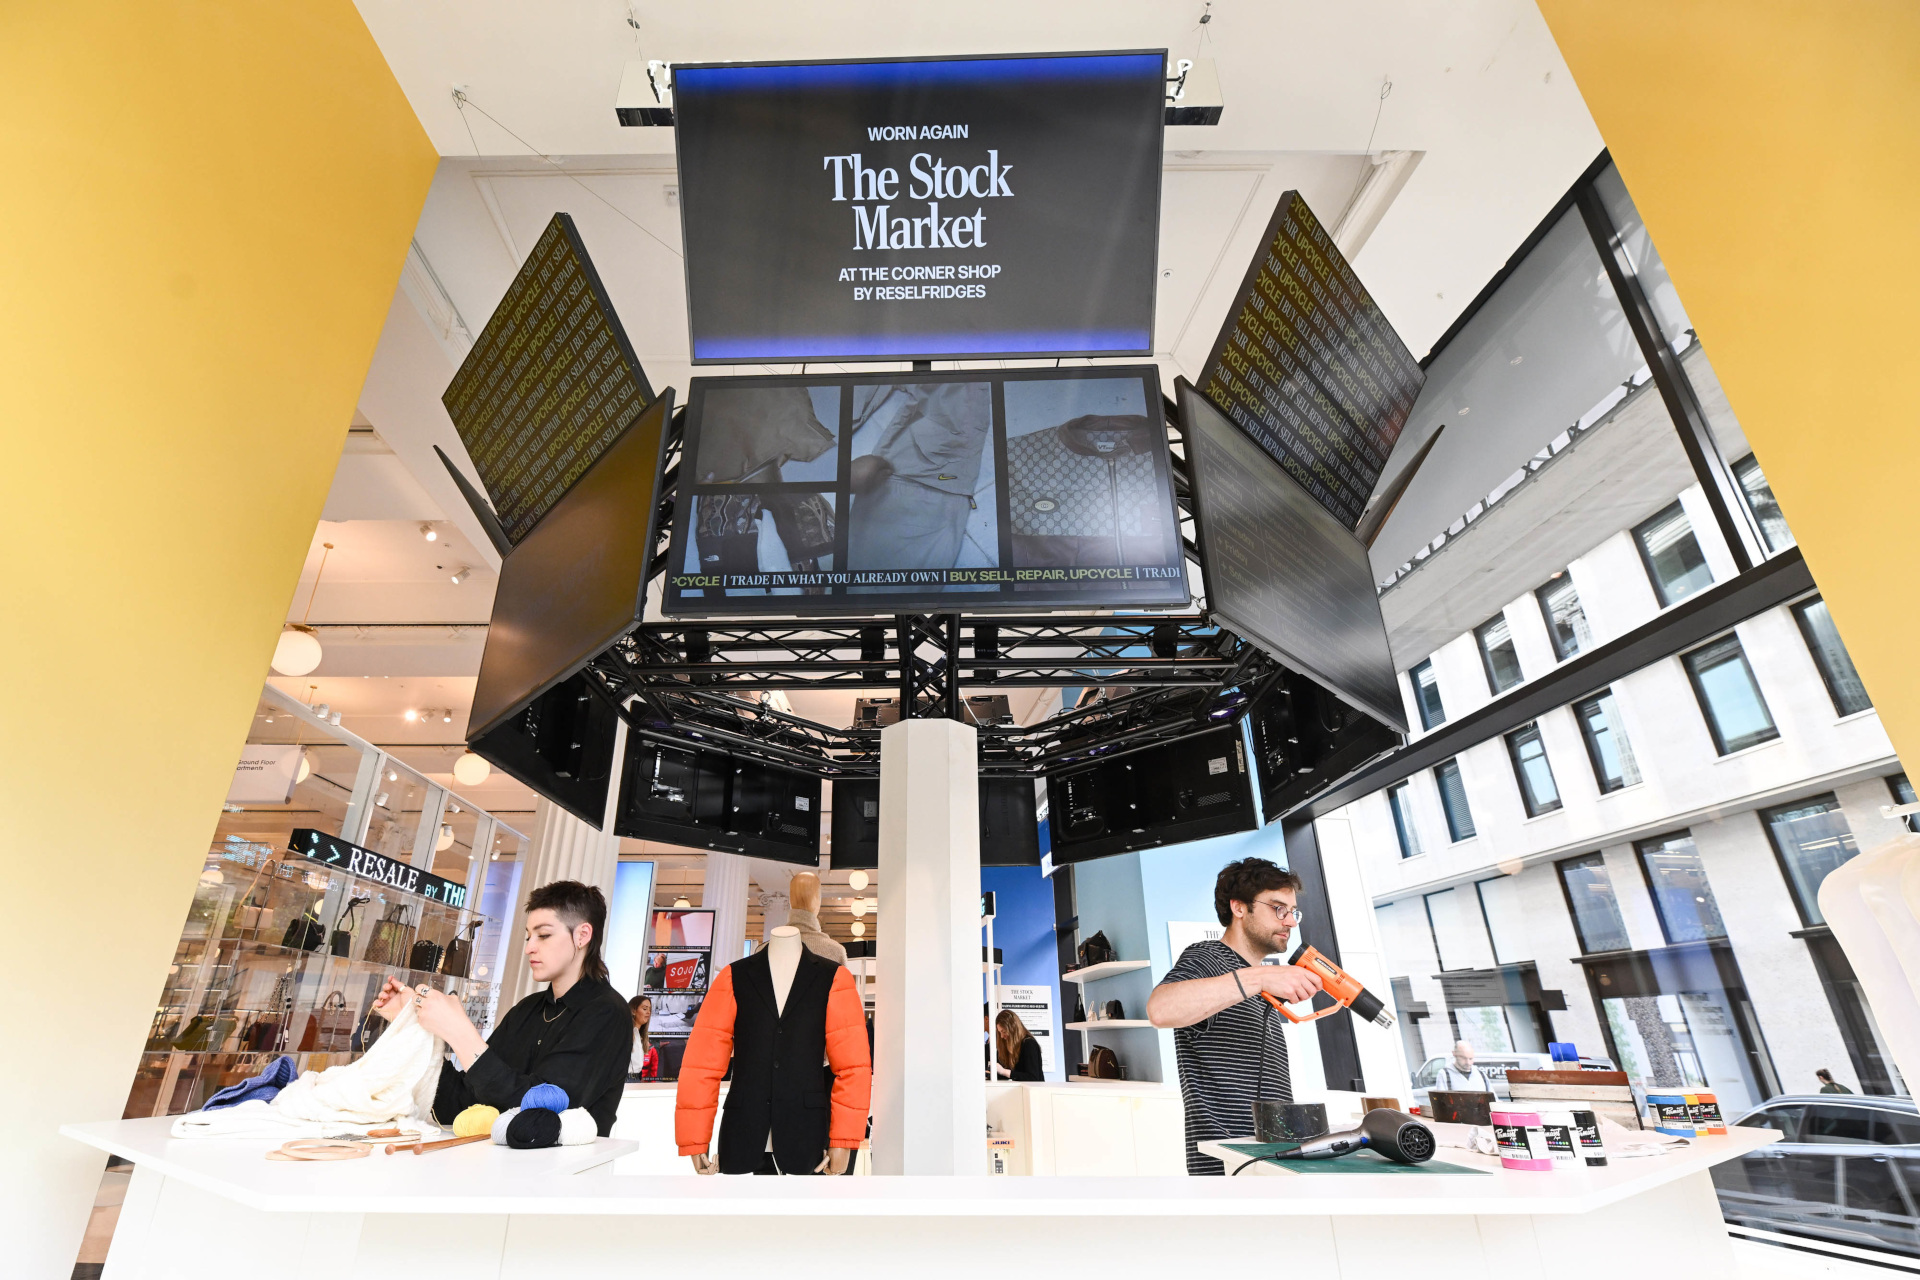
<point x="332" y="851"/>
<point x="1034" y="1007"/>
<point x="1182" y="934"/>
<point x="991" y="206"/>
<point x="1011" y="489"/>
<point x="549" y="384"/>
<point x="1308" y="366"/>
<point x="265" y="774"/>
<point x="1282" y="571"/>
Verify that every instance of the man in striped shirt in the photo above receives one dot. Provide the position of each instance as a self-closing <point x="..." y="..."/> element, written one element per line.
<point x="1227" y="1040"/>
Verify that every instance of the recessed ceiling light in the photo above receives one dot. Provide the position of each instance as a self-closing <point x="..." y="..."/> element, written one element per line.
<point x="430" y="533"/>
<point x="411" y="715"/>
<point x="1516" y="360"/>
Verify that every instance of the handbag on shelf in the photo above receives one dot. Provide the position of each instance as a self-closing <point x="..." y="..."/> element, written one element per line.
<point x="341" y="941"/>
<point x="459" y="959"/>
<point x="262" y="1035"/>
<point x="1102" y="1064"/>
<point x="392" y="937"/>
<point x="330" y="1027"/>
<point x="1114" y="1011"/>
<point x="305" y="933"/>
<point x="1095" y="950"/>
<point x="197" y="1036"/>
<point x="424" y="956"/>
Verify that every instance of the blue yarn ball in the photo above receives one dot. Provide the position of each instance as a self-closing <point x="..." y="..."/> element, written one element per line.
<point x="545" y="1097"/>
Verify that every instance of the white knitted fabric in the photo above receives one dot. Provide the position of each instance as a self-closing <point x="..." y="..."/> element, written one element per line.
<point x="394" y="1080"/>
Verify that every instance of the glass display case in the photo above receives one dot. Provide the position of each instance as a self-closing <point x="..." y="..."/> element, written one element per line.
<point x="284" y="954"/>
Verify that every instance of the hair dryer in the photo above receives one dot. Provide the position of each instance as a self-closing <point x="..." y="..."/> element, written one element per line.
<point x="1394" y="1134"/>
<point x="1338" y="983"/>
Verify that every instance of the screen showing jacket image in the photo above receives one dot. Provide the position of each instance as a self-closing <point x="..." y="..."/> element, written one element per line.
<point x="1016" y="489"/>
<point x="682" y="928"/>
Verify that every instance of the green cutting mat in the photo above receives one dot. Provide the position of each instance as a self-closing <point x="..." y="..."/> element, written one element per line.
<point x="1358" y="1162"/>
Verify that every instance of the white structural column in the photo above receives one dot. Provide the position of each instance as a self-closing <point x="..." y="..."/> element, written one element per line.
<point x="725" y="894"/>
<point x="561" y="848"/>
<point x="929" y="1095"/>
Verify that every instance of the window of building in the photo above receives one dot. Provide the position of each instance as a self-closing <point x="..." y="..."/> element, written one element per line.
<point x="1836" y="667"/>
<point x="1607" y="746"/>
<point x="1903" y="793"/>
<point x="1506" y="919"/>
<point x="1566" y="617"/>
<point x="1729" y="696"/>
<point x="1672" y="555"/>
<point x="1760" y="500"/>
<point x="1535" y="774"/>
<point x="1811" y="838"/>
<point x="1496" y="653"/>
<point x="1400" y="800"/>
<point x="1426" y="695"/>
<point x="1681" y="895"/>
<point x="1453" y="799"/>
<point x="1596" y="913"/>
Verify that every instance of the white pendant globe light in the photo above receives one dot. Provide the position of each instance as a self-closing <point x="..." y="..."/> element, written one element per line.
<point x="858" y="880"/>
<point x="471" y="770"/>
<point x="859" y="930"/>
<point x="859" y="908"/>
<point x="306" y="769"/>
<point x="298" y="651"/>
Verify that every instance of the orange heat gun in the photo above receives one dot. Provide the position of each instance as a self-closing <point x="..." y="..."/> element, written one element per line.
<point x="1338" y="983"/>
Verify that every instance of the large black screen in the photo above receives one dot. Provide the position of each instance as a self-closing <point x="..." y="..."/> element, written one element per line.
<point x="576" y="583"/>
<point x="992" y="206"/>
<point x="877" y="493"/>
<point x="1281" y="570"/>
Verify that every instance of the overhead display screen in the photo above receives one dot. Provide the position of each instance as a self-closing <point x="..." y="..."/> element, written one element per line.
<point x="1308" y="366"/>
<point x="1282" y="571"/>
<point x="991" y="206"/>
<point x="876" y="493"/>
<point x="550" y="383"/>
<point x="578" y="581"/>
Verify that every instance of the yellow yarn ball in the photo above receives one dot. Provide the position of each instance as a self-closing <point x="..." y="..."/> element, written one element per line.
<point x="475" y="1120"/>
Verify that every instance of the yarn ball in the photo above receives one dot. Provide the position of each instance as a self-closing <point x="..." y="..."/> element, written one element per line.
<point x="501" y="1124"/>
<point x="476" y="1119"/>
<point x="532" y="1129"/>
<point x="578" y="1128"/>
<point x="546" y="1097"/>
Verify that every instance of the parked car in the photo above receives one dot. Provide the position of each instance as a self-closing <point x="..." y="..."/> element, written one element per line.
<point x="1496" y="1066"/>
<point x="1846" y="1168"/>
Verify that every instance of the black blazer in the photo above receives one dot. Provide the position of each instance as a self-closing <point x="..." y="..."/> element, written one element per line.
<point x="778" y="1085"/>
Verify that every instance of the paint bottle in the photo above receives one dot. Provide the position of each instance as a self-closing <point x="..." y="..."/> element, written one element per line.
<point x="1521" y="1140"/>
<point x="1562" y="1144"/>
<point x="1669" y="1114"/>
<point x="1586" y="1132"/>
<point x="1704" y="1110"/>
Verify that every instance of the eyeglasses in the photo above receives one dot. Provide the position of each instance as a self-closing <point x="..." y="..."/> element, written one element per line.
<point x="1282" y="912"/>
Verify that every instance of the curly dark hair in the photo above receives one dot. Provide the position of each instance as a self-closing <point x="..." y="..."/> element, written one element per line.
<point x="1245" y="880"/>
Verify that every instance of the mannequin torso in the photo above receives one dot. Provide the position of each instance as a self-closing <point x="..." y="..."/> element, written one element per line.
<point x="783" y="958"/>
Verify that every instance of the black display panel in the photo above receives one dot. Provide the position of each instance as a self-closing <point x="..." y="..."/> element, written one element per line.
<point x="1011" y="489"/>
<point x="578" y="582"/>
<point x="708" y="800"/>
<point x="1187" y="790"/>
<point x="1009" y="825"/>
<point x="1283" y="572"/>
<point x="921" y="208"/>
<point x="550" y="383"/>
<point x="1305" y="740"/>
<point x="1308" y="366"/>
<point x="561" y="745"/>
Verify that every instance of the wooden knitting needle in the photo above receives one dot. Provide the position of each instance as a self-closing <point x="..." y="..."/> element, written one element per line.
<point x="420" y="1148"/>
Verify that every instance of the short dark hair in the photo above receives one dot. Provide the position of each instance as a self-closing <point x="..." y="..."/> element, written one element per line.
<point x="1245" y="880"/>
<point x="576" y="904"/>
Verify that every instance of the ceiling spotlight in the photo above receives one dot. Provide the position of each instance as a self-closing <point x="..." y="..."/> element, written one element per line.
<point x="461" y="574"/>
<point x="858" y="930"/>
<point x="393" y="775"/>
<point x="322" y="710"/>
<point x="380" y="801"/>
<point x="446" y="717"/>
<point x="430" y="533"/>
<point x="411" y="715"/>
<point x="453" y="808"/>
<point x="858" y="880"/>
<point x="334" y="719"/>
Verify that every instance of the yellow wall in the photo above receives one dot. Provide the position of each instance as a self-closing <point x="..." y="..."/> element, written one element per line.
<point x="204" y="211"/>
<point x="1774" y="151"/>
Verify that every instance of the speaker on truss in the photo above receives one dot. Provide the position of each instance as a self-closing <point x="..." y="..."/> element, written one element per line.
<point x="707" y="800"/>
<point x="1305" y="739"/>
<point x="1009" y="827"/>
<point x="1186" y="790"/>
<point x="561" y="745"/>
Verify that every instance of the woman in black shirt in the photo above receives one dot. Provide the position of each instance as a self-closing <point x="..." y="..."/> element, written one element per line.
<point x="1018" y="1052"/>
<point x="576" y="1034"/>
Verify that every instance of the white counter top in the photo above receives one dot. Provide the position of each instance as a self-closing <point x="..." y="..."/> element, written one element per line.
<point x="484" y="1179"/>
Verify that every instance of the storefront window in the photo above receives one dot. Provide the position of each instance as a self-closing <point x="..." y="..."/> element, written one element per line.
<point x="1426" y="695"/>
<point x="1765" y="507"/>
<point x="1872" y="1060"/>
<point x="1681" y="895"/>
<point x="1566" y="619"/>
<point x="1596" y="912"/>
<point x="1682" y="1041"/>
<point x="1836" y="665"/>
<point x="1535" y="774"/>
<point x="1400" y="800"/>
<point x="1496" y="653"/>
<point x="1673" y="557"/>
<point x="1607" y="746"/>
<point x="1729" y="696"/>
<point x="1812" y="839"/>
<point x="1453" y="799"/>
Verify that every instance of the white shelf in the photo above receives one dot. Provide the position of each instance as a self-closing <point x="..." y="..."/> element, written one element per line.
<point x="1109" y="1024"/>
<point x="1112" y="968"/>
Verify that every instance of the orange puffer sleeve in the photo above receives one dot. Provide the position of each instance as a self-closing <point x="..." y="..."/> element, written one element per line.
<point x="709" y="1051"/>
<point x="851" y="1059"/>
